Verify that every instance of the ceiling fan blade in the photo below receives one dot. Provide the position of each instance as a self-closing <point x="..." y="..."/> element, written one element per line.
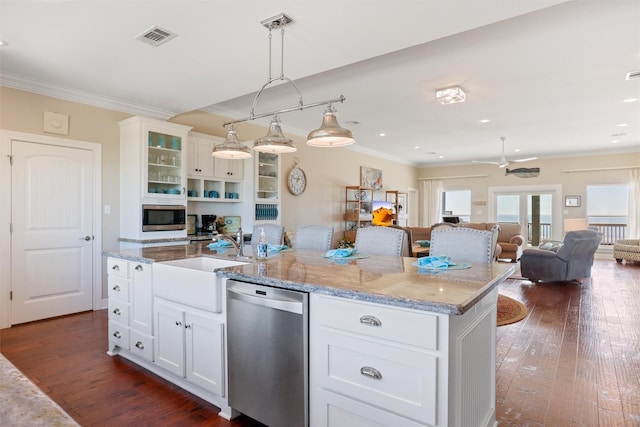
<point x="528" y="159"/>
<point x="486" y="163"/>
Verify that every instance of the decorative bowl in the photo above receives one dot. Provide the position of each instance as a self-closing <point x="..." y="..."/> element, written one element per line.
<point x="424" y="243"/>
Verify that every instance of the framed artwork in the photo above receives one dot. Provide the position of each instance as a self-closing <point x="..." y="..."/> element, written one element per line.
<point x="371" y="178"/>
<point x="572" y="201"/>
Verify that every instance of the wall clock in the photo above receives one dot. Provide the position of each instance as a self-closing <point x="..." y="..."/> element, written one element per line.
<point x="297" y="181"/>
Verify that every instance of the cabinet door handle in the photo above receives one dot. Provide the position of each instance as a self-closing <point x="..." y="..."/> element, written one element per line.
<point x="187" y="326"/>
<point x="178" y="323"/>
<point x="370" y="320"/>
<point x="140" y="345"/>
<point x="370" y="372"/>
<point x="139" y="267"/>
<point x="117" y="334"/>
<point x="116" y="288"/>
<point x="117" y="311"/>
<point x="116" y="267"/>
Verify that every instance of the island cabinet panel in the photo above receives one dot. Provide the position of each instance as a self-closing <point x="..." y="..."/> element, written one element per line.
<point x="130" y="307"/>
<point x="383" y="369"/>
<point x="375" y="364"/>
<point x="189" y="344"/>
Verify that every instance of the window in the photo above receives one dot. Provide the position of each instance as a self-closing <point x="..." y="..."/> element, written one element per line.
<point x="457" y="203"/>
<point x="608" y="210"/>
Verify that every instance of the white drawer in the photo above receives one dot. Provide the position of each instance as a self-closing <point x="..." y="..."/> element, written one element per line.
<point x="119" y="288"/>
<point x="119" y="311"/>
<point x="117" y="267"/>
<point x="410" y="327"/>
<point x="388" y="377"/>
<point x="333" y="410"/>
<point x="119" y="334"/>
<point x="141" y="345"/>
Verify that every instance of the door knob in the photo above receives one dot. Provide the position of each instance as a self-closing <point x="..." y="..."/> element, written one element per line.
<point x="87" y="238"/>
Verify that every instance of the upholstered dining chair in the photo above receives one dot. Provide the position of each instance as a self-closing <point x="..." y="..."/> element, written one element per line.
<point x="274" y="233"/>
<point x="377" y="240"/>
<point x="317" y="237"/>
<point x="465" y="244"/>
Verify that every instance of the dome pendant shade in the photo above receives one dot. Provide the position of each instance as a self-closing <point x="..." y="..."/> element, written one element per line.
<point x="231" y="148"/>
<point x="330" y="134"/>
<point x="274" y="141"/>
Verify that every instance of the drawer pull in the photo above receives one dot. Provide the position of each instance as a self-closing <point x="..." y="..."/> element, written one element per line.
<point x="178" y="323"/>
<point x="117" y="311"/>
<point x="370" y="320"/>
<point x="140" y="345"/>
<point x="117" y="334"/>
<point x="116" y="288"/>
<point x="139" y="267"/>
<point x="370" y="372"/>
<point x="116" y="267"/>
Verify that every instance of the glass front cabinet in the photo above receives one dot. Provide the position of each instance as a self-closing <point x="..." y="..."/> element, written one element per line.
<point x="267" y="185"/>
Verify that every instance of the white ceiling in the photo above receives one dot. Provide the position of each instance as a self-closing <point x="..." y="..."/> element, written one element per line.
<point x="549" y="74"/>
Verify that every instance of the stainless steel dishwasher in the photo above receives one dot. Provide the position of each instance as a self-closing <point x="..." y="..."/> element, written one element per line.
<point x="268" y="341"/>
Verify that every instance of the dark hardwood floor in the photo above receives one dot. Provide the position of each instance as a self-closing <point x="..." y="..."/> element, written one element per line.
<point x="573" y="361"/>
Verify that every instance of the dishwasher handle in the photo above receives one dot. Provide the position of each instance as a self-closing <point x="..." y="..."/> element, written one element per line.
<point x="283" y="303"/>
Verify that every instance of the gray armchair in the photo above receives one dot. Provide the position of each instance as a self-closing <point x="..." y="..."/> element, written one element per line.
<point x="570" y="261"/>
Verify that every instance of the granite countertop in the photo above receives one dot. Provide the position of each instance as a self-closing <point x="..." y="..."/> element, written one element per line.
<point x="380" y="279"/>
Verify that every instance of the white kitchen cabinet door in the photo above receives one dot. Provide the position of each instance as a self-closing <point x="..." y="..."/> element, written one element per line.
<point x="203" y="352"/>
<point x="169" y="337"/>
<point x="141" y="298"/>
<point x="228" y="169"/>
<point x="199" y="159"/>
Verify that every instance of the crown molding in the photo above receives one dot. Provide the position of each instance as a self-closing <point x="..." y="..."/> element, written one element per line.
<point x="69" y="94"/>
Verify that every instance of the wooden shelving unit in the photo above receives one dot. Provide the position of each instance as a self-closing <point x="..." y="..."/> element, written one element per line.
<point x="357" y="209"/>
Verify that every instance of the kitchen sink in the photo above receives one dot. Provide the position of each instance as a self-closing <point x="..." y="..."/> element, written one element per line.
<point x="192" y="281"/>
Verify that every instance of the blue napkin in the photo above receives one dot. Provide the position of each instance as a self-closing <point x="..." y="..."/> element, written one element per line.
<point x="441" y="261"/>
<point x="276" y="248"/>
<point x="220" y="244"/>
<point x="340" y="253"/>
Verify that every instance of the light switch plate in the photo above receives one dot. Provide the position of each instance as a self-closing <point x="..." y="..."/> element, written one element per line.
<point x="56" y="123"/>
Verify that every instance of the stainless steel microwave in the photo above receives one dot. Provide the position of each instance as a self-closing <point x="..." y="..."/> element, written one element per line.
<point x="163" y="217"/>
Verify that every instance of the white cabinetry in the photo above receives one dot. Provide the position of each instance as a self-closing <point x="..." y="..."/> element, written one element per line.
<point x="152" y="171"/>
<point x="130" y="308"/>
<point x="211" y="179"/>
<point x="373" y="364"/>
<point x="189" y="344"/>
<point x="199" y="159"/>
<point x="268" y="187"/>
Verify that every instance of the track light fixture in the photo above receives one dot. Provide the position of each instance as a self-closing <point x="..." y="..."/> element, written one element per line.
<point x="330" y="134"/>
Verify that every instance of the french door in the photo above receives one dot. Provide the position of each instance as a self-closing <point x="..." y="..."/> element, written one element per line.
<point x="536" y="209"/>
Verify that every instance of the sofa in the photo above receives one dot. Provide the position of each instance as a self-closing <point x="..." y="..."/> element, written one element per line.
<point x="627" y="249"/>
<point x="569" y="261"/>
<point x="510" y="240"/>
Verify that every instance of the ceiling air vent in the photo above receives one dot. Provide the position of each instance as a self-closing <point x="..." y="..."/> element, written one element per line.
<point x="633" y="75"/>
<point x="155" y="36"/>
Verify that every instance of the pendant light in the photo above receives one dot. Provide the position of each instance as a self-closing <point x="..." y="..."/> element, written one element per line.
<point x="231" y="148"/>
<point x="274" y="141"/>
<point x="330" y="134"/>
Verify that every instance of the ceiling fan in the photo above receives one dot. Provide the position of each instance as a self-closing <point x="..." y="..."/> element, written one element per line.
<point x="503" y="163"/>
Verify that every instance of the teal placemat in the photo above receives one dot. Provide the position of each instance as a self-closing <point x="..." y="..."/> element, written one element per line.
<point x="347" y="258"/>
<point x="458" y="266"/>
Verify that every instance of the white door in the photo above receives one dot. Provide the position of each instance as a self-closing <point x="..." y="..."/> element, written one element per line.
<point x="52" y="238"/>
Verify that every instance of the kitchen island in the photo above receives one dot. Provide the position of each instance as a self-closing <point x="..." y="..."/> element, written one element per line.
<point x="424" y="355"/>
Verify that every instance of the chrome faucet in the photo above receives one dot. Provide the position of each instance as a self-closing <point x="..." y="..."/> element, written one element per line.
<point x="238" y="243"/>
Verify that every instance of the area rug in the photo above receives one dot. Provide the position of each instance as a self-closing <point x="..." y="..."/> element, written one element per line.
<point x="510" y="310"/>
<point x="23" y="404"/>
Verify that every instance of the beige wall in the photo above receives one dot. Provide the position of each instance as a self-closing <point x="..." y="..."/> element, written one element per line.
<point x="327" y="170"/>
<point x="551" y="172"/>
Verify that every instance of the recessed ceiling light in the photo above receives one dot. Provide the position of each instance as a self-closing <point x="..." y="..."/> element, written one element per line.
<point x="3" y="43"/>
<point x="441" y="157"/>
<point x="517" y="150"/>
<point x="483" y="121"/>
<point x="630" y="100"/>
<point x="614" y="141"/>
<point x="383" y="134"/>
<point x="416" y="148"/>
<point x="621" y="125"/>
